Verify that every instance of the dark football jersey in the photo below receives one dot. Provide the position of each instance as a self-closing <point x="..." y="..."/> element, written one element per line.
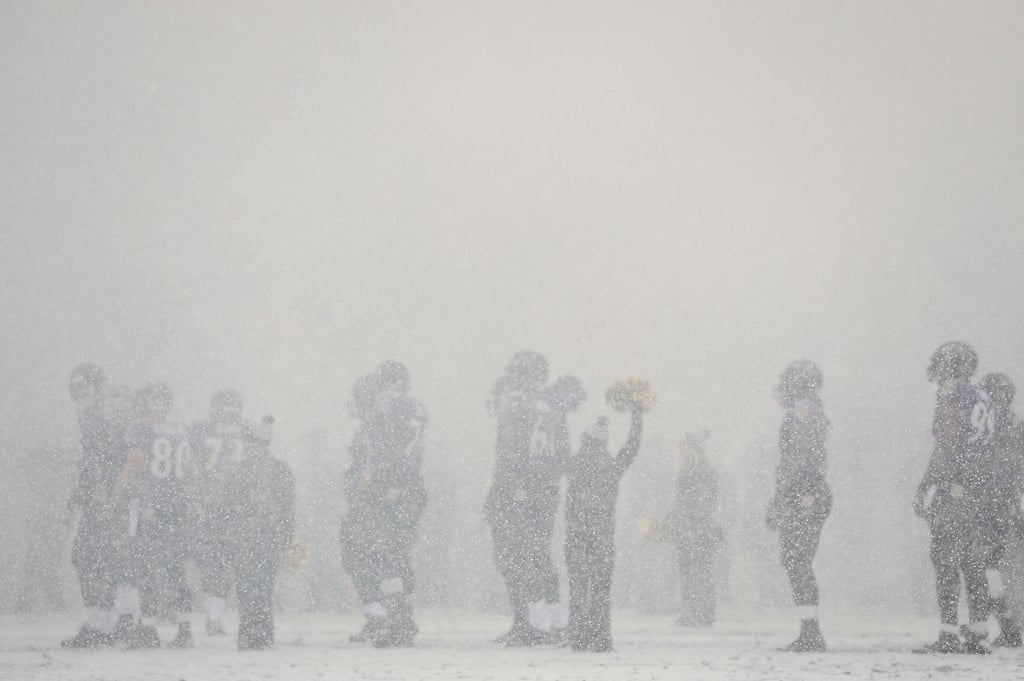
<point x="218" y="449"/>
<point x="168" y="470"/>
<point x="973" y="423"/>
<point x="387" y="450"/>
<point x="95" y="465"/>
<point x="803" y="458"/>
<point x="528" y="437"/>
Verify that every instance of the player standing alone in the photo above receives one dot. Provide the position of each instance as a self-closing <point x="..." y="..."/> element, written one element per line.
<point x="958" y="475"/>
<point x="803" y="499"/>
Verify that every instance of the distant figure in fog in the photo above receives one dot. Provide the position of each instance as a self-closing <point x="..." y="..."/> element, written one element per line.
<point x="695" y="531"/>
<point x="803" y="498"/>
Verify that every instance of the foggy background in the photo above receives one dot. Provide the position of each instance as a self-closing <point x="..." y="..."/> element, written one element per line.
<point x="278" y="197"/>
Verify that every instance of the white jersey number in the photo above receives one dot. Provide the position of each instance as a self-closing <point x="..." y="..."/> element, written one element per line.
<point x="540" y="440"/>
<point x="166" y="459"/>
<point x="983" y="422"/>
<point x="216" y="447"/>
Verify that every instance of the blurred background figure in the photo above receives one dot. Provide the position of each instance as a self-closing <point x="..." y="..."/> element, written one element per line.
<point x="695" y="531"/>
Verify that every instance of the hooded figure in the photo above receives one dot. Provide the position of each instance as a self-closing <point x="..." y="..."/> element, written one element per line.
<point x="803" y="499"/>
<point x="696" y="531"/>
<point x="593" y="489"/>
<point x="262" y="522"/>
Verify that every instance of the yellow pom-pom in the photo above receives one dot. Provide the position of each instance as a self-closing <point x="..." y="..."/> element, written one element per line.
<point x="632" y="394"/>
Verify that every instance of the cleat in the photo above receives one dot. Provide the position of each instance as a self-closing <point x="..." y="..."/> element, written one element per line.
<point x="144" y="637"/>
<point x="183" y="639"/>
<point x="399" y="632"/>
<point x="124" y="629"/>
<point x="1009" y="634"/>
<point x="809" y="641"/>
<point x="527" y="637"/>
<point x="947" y="644"/>
<point x="973" y="642"/>
<point x="87" y="637"/>
<point x="215" y="628"/>
<point x="504" y="637"/>
<point x="1011" y="639"/>
<point x="373" y="628"/>
<point x="398" y="629"/>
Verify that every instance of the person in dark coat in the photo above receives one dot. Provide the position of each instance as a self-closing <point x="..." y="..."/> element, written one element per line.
<point x="696" y="532"/>
<point x="262" y="522"/>
<point x="803" y="498"/>
<point x="593" y="490"/>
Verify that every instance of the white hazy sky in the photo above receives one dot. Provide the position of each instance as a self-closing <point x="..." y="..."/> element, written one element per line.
<point x="278" y="195"/>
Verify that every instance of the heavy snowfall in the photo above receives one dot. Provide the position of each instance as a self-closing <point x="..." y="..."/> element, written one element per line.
<point x="277" y="198"/>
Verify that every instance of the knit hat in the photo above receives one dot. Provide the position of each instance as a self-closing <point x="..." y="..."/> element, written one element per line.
<point x="599" y="431"/>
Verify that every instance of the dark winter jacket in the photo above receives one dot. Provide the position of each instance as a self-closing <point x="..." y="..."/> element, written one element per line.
<point x="262" y="517"/>
<point x="594" y="486"/>
<point x="696" y="500"/>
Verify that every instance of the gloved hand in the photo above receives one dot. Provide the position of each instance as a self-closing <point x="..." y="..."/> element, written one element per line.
<point x="920" y="507"/>
<point x="771" y="516"/>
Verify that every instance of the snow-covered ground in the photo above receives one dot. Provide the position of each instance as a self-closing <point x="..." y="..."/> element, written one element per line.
<point x="459" y="646"/>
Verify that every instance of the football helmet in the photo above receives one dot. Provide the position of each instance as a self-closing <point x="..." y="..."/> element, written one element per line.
<point x="364" y="395"/>
<point x="951" y="361"/>
<point x="567" y="393"/>
<point x="526" y="369"/>
<point x="999" y="387"/>
<point x="226" y="401"/>
<point x="86" y="383"/>
<point x="393" y="376"/>
<point x="259" y="433"/>
<point x="156" y="398"/>
<point x="120" y="405"/>
<point x="799" y="380"/>
<point x="596" y="434"/>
